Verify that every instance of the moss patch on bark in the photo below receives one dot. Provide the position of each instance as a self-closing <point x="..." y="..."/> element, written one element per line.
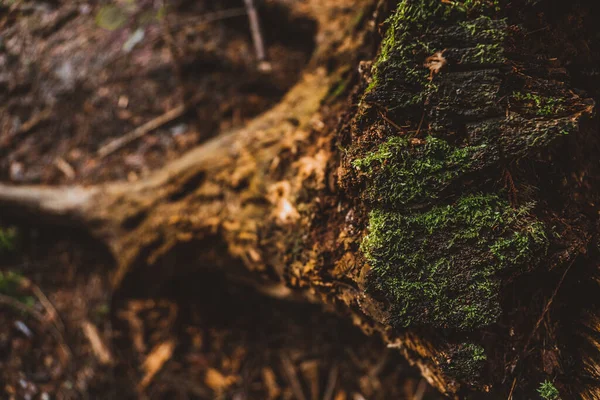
<point x="443" y="267"/>
<point x="441" y="240"/>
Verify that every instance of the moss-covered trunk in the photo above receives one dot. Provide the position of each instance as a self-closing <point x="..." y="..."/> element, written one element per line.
<point x="443" y="210"/>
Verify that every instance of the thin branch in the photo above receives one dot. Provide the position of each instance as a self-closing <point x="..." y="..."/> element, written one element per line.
<point x="17" y="305"/>
<point x="46" y="303"/>
<point x="420" y="392"/>
<point x="35" y="120"/>
<point x="539" y="322"/>
<point x="389" y="121"/>
<point x="99" y="348"/>
<point x="257" y="38"/>
<point x="221" y="15"/>
<point x="149" y="126"/>
<point x="292" y="376"/>
<point x="331" y="382"/>
<point x="141" y="130"/>
<point x="512" y="389"/>
<point x="548" y="304"/>
<point x="155" y="361"/>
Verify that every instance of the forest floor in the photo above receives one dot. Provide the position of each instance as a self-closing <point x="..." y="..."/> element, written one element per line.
<point x="74" y="77"/>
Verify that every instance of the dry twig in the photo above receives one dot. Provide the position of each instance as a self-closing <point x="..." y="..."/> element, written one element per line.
<point x="290" y="373"/>
<point x="389" y="121"/>
<point x="331" y="382"/>
<point x="46" y="303"/>
<point x="64" y="167"/>
<point x="149" y="126"/>
<point x="155" y="361"/>
<point x="548" y="304"/>
<point x="512" y="389"/>
<point x="539" y="321"/>
<point x="100" y="350"/>
<point x="257" y="39"/>
<point x="420" y="392"/>
<point x="221" y="15"/>
<point x="140" y="131"/>
<point x="17" y="305"/>
<point x="35" y="120"/>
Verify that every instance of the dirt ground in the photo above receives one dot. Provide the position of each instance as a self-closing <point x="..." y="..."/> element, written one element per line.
<point x="75" y="76"/>
<point x="70" y="86"/>
<point x="218" y="340"/>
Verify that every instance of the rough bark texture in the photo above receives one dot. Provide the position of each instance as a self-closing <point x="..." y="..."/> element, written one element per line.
<point x="458" y="176"/>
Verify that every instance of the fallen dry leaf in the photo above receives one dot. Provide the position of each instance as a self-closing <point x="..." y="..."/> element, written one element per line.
<point x="435" y="63"/>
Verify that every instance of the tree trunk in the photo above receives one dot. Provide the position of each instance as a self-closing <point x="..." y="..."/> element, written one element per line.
<point x="447" y="209"/>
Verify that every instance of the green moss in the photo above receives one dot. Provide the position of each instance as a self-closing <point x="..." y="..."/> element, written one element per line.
<point x="403" y="49"/>
<point x="548" y="391"/>
<point x="464" y="362"/>
<point x="470" y="6"/>
<point x="415" y="32"/>
<point x="487" y="54"/>
<point x="443" y="267"/>
<point x="439" y="244"/>
<point x="484" y="29"/>
<point x="404" y="171"/>
<point x="542" y="105"/>
<point x="11" y="285"/>
<point x="8" y="238"/>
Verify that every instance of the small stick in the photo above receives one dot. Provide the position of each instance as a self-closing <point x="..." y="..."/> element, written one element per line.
<point x="149" y="126"/>
<point x="99" y="349"/>
<point x="64" y="167"/>
<point x="385" y="117"/>
<point x="331" y="382"/>
<point x="539" y="321"/>
<point x="9" y="301"/>
<point x="420" y="390"/>
<point x="420" y="123"/>
<point x="512" y="389"/>
<point x="141" y="130"/>
<point x="35" y="120"/>
<point x="290" y="372"/>
<point x="257" y="38"/>
<point x="157" y="358"/>
<point x="221" y="15"/>
<point x="548" y="304"/>
<point x="46" y="303"/>
<point x="17" y="305"/>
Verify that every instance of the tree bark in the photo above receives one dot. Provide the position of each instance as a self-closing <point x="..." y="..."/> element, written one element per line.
<point x="464" y="118"/>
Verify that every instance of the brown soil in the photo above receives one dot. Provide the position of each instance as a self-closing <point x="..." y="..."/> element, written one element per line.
<point x="228" y="341"/>
<point x="68" y="85"/>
